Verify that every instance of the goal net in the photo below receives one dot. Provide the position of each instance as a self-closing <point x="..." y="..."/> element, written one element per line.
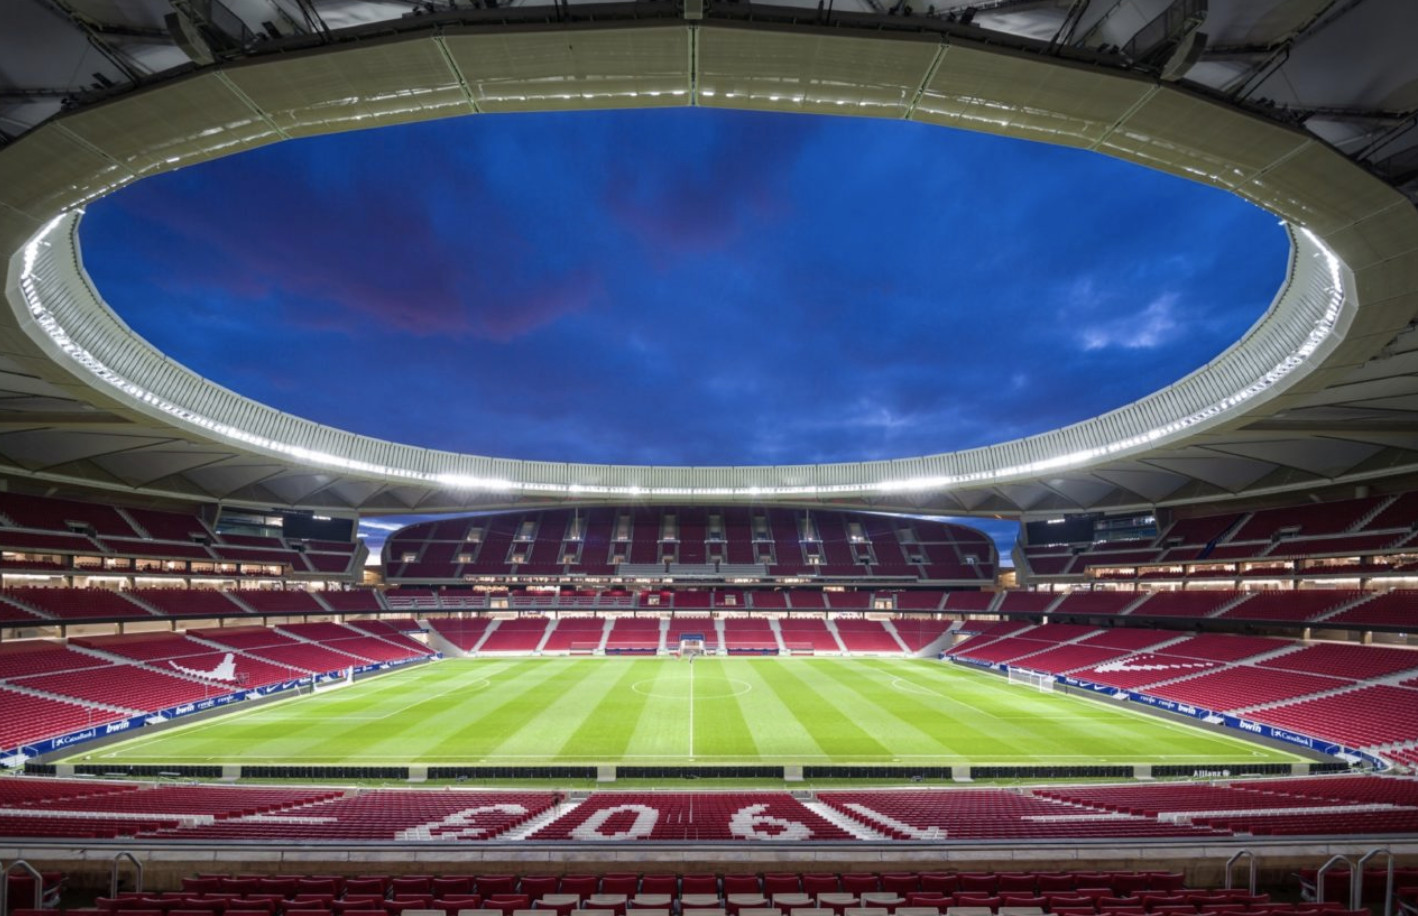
<point x="689" y="648"/>
<point x="1039" y="680"/>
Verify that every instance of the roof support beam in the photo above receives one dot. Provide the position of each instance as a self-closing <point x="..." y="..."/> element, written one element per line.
<point x="1280" y="51"/>
<point x="95" y="37"/>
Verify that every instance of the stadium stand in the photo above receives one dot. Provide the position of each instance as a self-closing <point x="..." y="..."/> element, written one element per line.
<point x="516" y="634"/>
<point x="463" y="632"/>
<point x="861" y="634"/>
<point x="634" y="634"/>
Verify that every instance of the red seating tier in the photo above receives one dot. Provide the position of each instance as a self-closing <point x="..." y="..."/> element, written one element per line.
<point x="859" y="634"/>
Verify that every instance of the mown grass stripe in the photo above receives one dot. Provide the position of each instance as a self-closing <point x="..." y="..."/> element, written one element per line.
<point x="540" y="710"/>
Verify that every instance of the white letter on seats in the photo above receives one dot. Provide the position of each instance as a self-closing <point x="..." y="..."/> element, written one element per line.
<point x="746" y="821"/>
<point x="462" y="823"/>
<point x="645" y="818"/>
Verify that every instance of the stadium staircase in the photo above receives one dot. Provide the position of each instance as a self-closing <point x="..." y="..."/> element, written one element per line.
<point x="358" y="659"/>
<point x="836" y="636"/>
<point x="890" y="628"/>
<point x="491" y="628"/>
<point x="1360" y="601"/>
<point x="938" y="645"/>
<point x="605" y="636"/>
<point x="141" y="603"/>
<point x="664" y="636"/>
<point x="77" y="701"/>
<point x="778" y="635"/>
<point x="546" y="635"/>
<point x="720" y="639"/>
<point x="1348" y="687"/>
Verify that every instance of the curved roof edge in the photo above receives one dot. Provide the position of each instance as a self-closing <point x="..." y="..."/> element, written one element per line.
<point x="1352" y="284"/>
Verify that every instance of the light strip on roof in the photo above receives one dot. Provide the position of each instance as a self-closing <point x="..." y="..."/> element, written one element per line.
<point x="46" y="320"/>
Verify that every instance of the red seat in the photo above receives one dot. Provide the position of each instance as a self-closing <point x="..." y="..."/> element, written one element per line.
<point x="925" y="898"/>
<point x="1017" y="882"/>
<point x="507" y="903"/>
<point x="285" y="885"/>
<point x="319" y="886"/>
<point x="940" y="883"/>
<point x="742" y="884"/>
<point x="366" y="885"/>
<point x="536" y="886"/>
<point x="411" y="884"/>
<point x="1023" y="900"/>
<point x="815" y="883"/>
<point x="976" y="881"/>
<point x="487" y="885"/>
<point x="582" y="885"/>
<point x="1054" y="884"/>
<point x="860" y="883"/>
<point x="1165" y="880"/>
<point x="902" y="883"/>
<point x="620" y="883"/>
<point x="698" y="884"/>
<point x="452" y="903"/>
<point x="658" y="884"/>
<point x="781" y="883"/>
<point x="451" y="884"/>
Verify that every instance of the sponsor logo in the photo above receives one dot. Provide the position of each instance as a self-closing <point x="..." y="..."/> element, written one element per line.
<point x="206" y="704"/>
<point x="1293" y="738"/>
<point x="85" y="735"/>
<point x="1148" y="663"/>
<point x="1189" y="710"/>
<point x="225" y="669"/>
<point x="112" y="727"/>
<point x="1249" y="726"/>
<point x="184" y="709"/>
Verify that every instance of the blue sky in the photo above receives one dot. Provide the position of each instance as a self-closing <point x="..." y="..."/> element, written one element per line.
<point x="684" y="287"/>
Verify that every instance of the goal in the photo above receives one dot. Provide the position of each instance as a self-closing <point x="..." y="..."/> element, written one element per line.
<point x="1039" y="680"/>
<point x="689" y="648"/>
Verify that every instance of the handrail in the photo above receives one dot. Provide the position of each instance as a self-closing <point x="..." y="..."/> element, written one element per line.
<point x="113" y="873"/>
<point x="5" y="885"/>
<point x="1251" y="860"/>
<point x="1319" y="875"/>
<point x="1356" y="895"/>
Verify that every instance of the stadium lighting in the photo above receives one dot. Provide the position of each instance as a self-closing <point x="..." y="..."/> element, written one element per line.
<point x="34" y="287"/>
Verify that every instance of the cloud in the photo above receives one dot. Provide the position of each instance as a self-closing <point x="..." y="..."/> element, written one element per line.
<point x="1148" y="329"/>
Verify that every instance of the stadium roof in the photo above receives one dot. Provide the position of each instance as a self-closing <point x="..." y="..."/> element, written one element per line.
<point x="1305" y="107"/>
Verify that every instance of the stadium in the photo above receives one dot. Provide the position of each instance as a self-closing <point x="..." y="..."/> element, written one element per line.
<point x="743" y="690"/>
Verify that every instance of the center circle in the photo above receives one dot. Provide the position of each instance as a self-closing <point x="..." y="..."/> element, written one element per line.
<point x="683" y="690"/>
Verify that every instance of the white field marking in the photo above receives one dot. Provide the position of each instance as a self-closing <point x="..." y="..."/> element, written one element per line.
<point x="669" y="758"/>
<point x="743" y="688"/>
<point x="691" y="707"/>
<point x="904" y="686"/>
<point x="470" y="686"/>
<point x="1188" y="730"/>
<point x="240" y="712"/>
<point x="1228" y="741"/>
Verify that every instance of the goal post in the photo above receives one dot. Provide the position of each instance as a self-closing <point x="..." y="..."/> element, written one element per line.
<point x="1026" y="677"/>
<point x="690" y="647"/>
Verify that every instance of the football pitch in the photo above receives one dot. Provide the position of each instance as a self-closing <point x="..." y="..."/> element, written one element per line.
<point x="551" y="711"/>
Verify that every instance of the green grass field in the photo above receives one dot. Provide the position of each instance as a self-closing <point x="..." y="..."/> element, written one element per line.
<point x="658" y="711"/>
